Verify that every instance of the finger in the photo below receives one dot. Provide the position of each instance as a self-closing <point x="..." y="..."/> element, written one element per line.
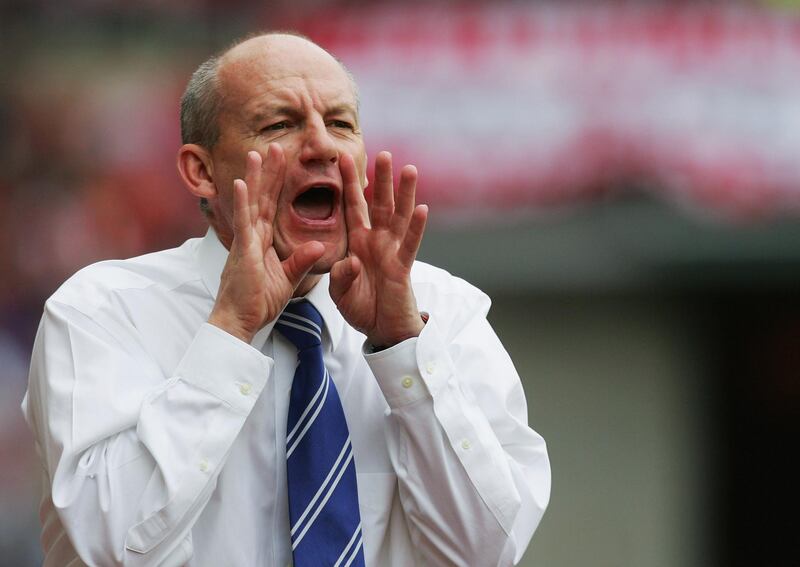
<point x="275" y="171"/>
<point x="252" y="177"/>
<point x="416" y="228"/>
<point x="242" y="221"/>
<point x="297" y="266"/>
<point x="383" y="194"/>
<point x="355" y="205"/>
<point x="343" y="274"/>
<point x="406" y="194"/>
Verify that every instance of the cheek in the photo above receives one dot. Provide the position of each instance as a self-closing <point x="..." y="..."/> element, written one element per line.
<point x="223" y="182"/>
<point x="224" y="208"/>
<point x="281" y="234"/>
<point x="335" y="250"/>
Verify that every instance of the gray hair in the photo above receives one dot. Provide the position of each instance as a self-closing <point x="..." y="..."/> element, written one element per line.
<point x="200" y="105"/>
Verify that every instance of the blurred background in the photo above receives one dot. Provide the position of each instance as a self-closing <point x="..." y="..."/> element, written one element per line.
<point x="623" y="178"/>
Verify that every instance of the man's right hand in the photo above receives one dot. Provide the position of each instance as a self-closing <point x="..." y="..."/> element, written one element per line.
<point x="255" y="284"/>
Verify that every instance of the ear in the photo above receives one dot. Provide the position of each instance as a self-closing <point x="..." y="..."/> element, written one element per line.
<point x="196" y="169"/>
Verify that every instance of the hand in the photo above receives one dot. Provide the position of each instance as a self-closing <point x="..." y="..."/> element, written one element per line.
<point x="372" y="285"/>
<point x="255" y="284"/>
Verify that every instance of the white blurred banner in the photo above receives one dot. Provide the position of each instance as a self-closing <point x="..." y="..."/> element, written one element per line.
<point x="511" y="106"/>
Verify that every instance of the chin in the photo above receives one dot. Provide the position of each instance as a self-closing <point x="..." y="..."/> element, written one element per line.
<point x="324" y="264"/>
<point x="335" y="250"/>
<point x="322" y="267"/>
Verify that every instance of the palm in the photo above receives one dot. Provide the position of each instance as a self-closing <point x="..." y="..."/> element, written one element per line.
<point x="255" y="284"/>
<point x="372" y="286"/>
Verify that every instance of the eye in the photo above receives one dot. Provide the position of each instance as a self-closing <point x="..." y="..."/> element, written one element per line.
<point x="341" y="124"/>
<point x="278" y="126"/>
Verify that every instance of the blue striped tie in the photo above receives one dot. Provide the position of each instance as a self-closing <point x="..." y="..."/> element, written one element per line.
<point x="321" y="473"/>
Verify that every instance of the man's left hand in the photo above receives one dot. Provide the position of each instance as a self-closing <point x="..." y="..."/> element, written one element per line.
<point x="372" y="285"/>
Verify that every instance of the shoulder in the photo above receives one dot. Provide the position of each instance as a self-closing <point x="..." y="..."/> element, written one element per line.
<point x="96" y="285"/>
<point x="438" y="290"/>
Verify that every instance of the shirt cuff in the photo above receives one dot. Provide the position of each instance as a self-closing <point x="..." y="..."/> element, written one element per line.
<point x="410" y="371"/>
<point x="225" y="367"/>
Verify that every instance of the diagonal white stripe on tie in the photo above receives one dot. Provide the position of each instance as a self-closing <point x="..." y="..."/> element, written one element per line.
<point x="334" y="468"/>
<point x="300" y="328"/>
<point x="319" y="509"/>
<point x="311" y="419"/>
<point x="355" y="552"/>
<point x="323" y="385"/>
<point x="303" y="319"/>
<point x="346" y="550"/>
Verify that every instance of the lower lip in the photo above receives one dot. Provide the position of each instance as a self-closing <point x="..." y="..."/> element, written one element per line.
<point x="317" y="223"/>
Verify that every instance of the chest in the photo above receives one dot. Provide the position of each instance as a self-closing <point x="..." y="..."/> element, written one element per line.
<point x="264" y="433"/>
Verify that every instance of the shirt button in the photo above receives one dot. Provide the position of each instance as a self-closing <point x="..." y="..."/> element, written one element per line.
<point x="430" y="367"/>
<point x="407" y="382"/>
<point x="245" y="388"/>
<point x="465" y="444"/>
<point x="204" y="465"/>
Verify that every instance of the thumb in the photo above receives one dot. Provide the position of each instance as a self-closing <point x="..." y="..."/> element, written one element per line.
<point x="301" y="261"/>
<point x="343" y="274"/>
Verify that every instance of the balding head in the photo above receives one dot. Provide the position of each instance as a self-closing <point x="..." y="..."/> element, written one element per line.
<point x="205" y="96"/>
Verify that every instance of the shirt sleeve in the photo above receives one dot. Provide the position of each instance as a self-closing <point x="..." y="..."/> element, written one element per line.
<point x="474" y="478"/>
<point x="137" y="468"/>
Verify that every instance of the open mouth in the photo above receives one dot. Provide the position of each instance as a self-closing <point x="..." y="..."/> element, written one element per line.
<point x="316" y="203"/>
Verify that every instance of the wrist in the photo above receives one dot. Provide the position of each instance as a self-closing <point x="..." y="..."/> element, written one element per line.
<point x="378" y="344"/>
<point x="232" y="326"/>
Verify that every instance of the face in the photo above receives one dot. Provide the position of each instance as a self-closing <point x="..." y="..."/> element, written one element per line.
<point x="285" y="90"/>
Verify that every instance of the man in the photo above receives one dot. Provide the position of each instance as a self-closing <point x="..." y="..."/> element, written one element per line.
<point x="160" y="386"/>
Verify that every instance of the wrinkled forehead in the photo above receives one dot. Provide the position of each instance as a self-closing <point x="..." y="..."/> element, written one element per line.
<point x="282" y="67"/>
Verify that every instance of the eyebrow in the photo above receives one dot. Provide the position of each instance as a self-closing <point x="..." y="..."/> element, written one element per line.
<point x="267" y="111"/>
<point x="343" y="108"/>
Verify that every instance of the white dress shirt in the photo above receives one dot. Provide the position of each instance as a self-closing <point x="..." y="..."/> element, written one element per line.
<point x="162" y="437"/>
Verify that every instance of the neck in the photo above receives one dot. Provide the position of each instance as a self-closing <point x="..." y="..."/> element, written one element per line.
<point x="306" y="285"/>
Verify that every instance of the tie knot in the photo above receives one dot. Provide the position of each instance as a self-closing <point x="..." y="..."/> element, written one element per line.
<point x="301" y="324"/>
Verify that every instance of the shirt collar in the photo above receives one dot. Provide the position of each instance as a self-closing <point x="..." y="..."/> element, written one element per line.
<point x="211" y="257"/>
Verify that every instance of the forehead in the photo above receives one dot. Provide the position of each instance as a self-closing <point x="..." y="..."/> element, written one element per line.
<point x="280" y="70"/>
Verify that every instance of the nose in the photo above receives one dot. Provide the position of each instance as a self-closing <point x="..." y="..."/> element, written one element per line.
<point x="318" y="145"/>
